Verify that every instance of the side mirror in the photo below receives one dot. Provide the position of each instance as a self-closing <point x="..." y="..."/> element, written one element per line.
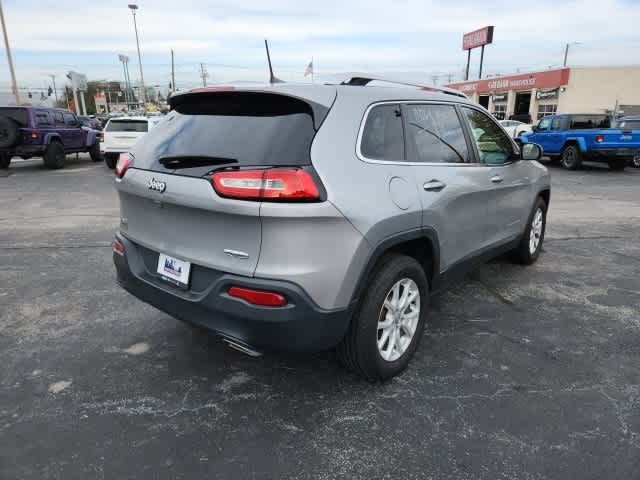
<point x="534" y="128"/>
<point x="530" y="151"/>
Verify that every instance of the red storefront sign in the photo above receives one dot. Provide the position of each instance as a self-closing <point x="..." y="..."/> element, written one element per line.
<point x="477" y="38"/>
<point x="525" y="81"/>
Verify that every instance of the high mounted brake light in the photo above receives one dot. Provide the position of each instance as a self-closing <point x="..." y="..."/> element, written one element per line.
<point x="273" y="184"/>
<point x="124" y="162"/>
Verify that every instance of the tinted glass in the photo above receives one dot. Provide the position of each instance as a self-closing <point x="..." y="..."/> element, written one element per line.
<point x="382" y="137"/>
<point x="589" y="121"/>
<point x="556" y="124"/>
<point x="58" y="117"/>
<point x="127" y="126"/>
<point x="43" y="119"/>
<point x="220" y="130"/>
<point x="18" y="115"/>
<point x="544" y="123"/>
<point x="69" y="119"/>
<point x="434" y="134"/>
<point x="629" y="124"/>
<point x="493" y="144"/>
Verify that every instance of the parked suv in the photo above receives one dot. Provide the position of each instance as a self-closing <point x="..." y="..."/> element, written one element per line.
<point x="309" y="217"/>
<point x="51" y="133"/>
<point x="121" y="133"/>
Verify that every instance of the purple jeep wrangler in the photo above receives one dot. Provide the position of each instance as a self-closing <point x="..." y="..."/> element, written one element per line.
<point x="50" y="133"/>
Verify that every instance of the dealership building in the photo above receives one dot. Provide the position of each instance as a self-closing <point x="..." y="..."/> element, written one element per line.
<point x="531" y="96"/>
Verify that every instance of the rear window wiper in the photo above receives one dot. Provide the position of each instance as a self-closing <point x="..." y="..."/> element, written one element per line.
<point x="195" y="161"/>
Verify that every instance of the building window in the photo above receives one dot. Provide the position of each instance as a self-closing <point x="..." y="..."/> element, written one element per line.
<point x="547" y="109"/>
<point x="500" y="111"/>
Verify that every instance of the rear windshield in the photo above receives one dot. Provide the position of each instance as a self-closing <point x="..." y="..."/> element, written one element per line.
<point x="237" y="128"/>
<point x="18" y="115"/>
<point x="127" y="126"/>
<point x="589" y="121"/>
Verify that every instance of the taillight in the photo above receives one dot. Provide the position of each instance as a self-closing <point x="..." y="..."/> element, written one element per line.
<point x="275" y="184"/>
<point x="34" y="134"/>
<point x="599" y="138"/>
<point x="258" y="297"/>
<point x="124" y="161"/>
<point x="118" y="247"/>
<point x="101" y="136"/>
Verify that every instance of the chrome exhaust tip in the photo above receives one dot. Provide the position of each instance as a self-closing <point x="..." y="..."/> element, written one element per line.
<point x="247" y="350"/>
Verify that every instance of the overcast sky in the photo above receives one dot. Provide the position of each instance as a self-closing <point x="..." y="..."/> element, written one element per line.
<point x="417" y="39"/>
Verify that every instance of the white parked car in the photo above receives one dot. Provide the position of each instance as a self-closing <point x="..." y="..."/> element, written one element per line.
<point x="121" y="133"/>
<point x="515" y="128"/>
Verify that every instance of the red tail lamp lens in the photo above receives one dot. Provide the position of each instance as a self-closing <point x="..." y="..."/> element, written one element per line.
<point x="258" y="297"/>
<point x="118" y="247"/>
<point x="278" y="184"/>
<point x="124" y="162"/>
<point x="599" y="138"/>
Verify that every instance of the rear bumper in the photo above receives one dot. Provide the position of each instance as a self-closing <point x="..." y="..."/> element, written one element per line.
<point x="20" y="150"/>
<point x="609" y="153"/>
<point x="299" y="326"/>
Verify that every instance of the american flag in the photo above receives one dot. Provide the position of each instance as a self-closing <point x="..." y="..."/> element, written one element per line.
<point x="309" y="69"/>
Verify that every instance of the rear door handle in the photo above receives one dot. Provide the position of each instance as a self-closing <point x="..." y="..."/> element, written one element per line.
<point x="496" y="179"/>
<point x="434" y="185"/>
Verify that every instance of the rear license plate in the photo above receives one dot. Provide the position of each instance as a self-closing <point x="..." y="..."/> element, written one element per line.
<point x="174" y="270"/>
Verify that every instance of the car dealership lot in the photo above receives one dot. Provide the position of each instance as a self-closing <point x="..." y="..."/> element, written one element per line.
<point x="526" y="372"/>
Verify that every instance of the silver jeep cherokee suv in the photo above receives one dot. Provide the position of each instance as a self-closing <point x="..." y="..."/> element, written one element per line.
<point x="303" y="218"/>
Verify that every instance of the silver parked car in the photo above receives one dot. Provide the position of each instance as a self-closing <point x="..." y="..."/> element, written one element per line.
<point x="309" y="217"/>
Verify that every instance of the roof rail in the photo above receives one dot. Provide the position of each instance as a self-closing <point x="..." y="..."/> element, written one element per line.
<point x="361" y="80"/>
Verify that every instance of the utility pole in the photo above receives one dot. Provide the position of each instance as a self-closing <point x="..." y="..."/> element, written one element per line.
<point x="173" y="73"/>
<point x="203" y="74"/>
<point x="14" y="84"/>
<point x="566" y="51"/>
<point x="133" y="8"/>
<point x="55" y="92"/>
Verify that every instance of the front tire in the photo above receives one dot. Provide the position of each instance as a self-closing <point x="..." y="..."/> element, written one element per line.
<point x="571" y="157"/>
<point x="54" y="155"/>
<point x="635" y="162"/>
<point x="5" y="161"/>
<point x="386" y="329"/>
<point x="530" y="245"/>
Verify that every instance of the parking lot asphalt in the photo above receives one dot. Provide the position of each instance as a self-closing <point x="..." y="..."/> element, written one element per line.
<point x="525" y="372"/>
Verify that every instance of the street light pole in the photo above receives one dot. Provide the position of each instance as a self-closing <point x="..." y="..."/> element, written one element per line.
<point x="14" y="84"/>
<point x="133" y="8"/>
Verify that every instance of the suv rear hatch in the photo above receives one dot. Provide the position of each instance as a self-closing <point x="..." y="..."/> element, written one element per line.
<point x="122" y="133"/>
<point x="207" y="132"/>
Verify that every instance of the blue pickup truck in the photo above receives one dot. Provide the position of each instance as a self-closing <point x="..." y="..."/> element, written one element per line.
<point x="572" y="138"/>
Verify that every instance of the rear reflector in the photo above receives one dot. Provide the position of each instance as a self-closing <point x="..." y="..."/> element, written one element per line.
<point x="258" y="297"/>
<point x="275" y="184"/>
<point x="118" y="247"/>
<point x="124" y="161"/>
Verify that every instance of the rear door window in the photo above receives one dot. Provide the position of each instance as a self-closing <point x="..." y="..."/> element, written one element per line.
<point x="434" y="134"/>
<point x="43" y="119"/>
<point x="382" y="136"/>
<point x="18" y="115"/>
<point x="58" y="118"/>
<point x="139" y="126"/>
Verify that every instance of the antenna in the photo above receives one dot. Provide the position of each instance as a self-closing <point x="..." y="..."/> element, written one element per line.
<point x="272" y="78"/>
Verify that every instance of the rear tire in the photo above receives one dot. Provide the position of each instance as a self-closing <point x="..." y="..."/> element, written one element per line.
<point x="635" y="162"/>
<point x="571" y="157"/>
<point x="110" y="160"/>
<point x="5" y="161"/>
<point x="528" y="251"/>
<point x="618" y="164"/>
<point x="362" y="350"/>
<point x="94" y="153"/>
<point x="54" y="155"/>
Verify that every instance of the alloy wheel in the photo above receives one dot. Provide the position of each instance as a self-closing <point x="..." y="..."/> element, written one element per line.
<point x="535" y="233"/>
<point x="398" y="319"/>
